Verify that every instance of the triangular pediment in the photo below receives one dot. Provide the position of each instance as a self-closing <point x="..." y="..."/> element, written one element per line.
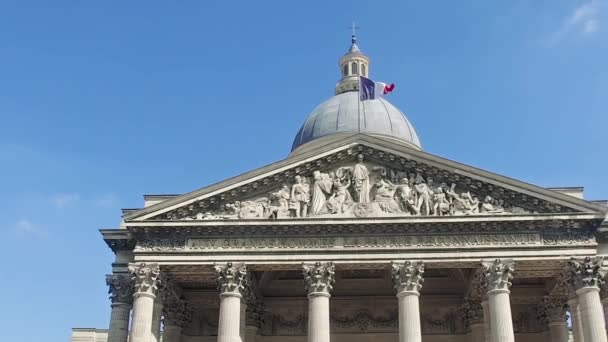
<point x="363" y="176"/>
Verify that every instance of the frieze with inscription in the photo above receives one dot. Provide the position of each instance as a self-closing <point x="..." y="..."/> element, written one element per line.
<point x="364" y="242"/>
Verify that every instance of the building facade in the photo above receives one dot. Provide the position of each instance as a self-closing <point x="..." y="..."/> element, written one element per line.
<point x="359" y="235"/>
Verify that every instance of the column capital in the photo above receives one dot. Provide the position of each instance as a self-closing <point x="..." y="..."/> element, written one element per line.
<point x="497" y="274"/>
<point x="120" y="288"/>
<point x="473" y="313"/>
<point x="145" y="277"/>
<point x="407" y="276"/>
<point x="319" y="277"/>
<point x="231" y="279"/>
<point x="586" y="273"/>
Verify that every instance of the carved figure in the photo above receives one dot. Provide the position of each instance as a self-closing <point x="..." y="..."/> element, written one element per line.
<point x="405" y="196"/>
<point x="488" y="208"/>
<point x="441" y="205"/>
<point x="385" y="196"/>
<point x="340" y="198"/>
<point x="424" y="196"/>
<point x="361" y="180"/>
<point x="298" y="203"/>
<point x="278" y="206"/>
<point x="321" y="189"/>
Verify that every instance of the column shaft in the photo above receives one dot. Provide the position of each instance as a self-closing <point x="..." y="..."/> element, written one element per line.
<point x="119" y="322"/>
<point x="230" y="316"/>
<point x="143" y="307"/>
<point x="487" y="329"/>
<point x="156" y="320"/>
<point x="409" y="317"/>
<point x="243" y="320"/>
<point x="172" y="333"/>
<point x="591" y="314"/>
<point x="577" y="325"/>
<point x="558" y="331"/>
<point x="500" y="316"/>
<point x="318" y="317"/>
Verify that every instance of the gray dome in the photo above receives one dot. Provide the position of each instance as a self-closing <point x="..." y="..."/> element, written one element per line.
<point x="344" y="113"/>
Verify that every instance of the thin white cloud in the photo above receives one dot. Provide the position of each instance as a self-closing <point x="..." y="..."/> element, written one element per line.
<point x="106" y="200"/>
<point x="27" y="228"/>
<point x="61" y="201"/>
<point x="584" y="20"/>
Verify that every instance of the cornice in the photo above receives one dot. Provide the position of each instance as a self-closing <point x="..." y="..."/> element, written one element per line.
<point x="118" y="239"/>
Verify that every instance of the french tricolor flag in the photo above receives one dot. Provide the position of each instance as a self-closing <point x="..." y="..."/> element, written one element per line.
<point x="370" y="90"/>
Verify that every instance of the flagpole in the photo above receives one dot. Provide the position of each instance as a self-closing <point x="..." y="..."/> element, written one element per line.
<point x="359" y="105"/>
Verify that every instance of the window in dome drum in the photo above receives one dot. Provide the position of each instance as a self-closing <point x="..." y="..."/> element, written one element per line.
<point x="354" y="68"/>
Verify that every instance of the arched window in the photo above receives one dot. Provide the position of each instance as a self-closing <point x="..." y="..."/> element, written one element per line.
<point x="363" y="71"/>
<point x="354" y="69"/>
<point x="345" y="69"/>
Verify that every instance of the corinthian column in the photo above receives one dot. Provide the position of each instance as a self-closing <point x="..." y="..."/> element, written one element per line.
<point x="407" y="279"/>
<point x="145" y="277"/>
<point x="586" y="279"/>
<point x="554" y="314"/>
<point x="473" y="318"/>
<point x="577" y="324"/>
<point x="121" y="294"/>
<point x="231" y="280"/>
<point x="319" y="279"/>
<point x="497" y="279"/>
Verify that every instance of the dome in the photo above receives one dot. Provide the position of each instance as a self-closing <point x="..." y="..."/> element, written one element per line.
<point x="344" y="114"/>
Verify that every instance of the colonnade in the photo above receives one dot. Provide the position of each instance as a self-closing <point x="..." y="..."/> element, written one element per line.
<point x="489" y="319"/>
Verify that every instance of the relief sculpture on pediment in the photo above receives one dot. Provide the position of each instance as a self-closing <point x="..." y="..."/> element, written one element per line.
<point x="360" y="189"/>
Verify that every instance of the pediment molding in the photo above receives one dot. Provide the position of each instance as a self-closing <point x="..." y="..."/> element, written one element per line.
<point x="213" y="201"/>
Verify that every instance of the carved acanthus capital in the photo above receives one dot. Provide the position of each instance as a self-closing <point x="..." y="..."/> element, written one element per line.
<point x="120" y="288"/>
<point x="319" y="277"/>
<point x="586" y="273"/>
<point x="553" y="309"/>
<point x="145" y="277"/>
<point x="407" y="276"/>
<point x="231" y="278"/>
<point x="176" y="311"/>
<point x="473" y="312"/>
<point x="497" y="274"/>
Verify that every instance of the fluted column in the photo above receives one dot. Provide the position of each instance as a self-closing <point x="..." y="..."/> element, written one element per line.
<point x="232" y="280"/>
<point x="145" y="277"/>
<point x="407" y="280"/>
<point x="577" y="324"/>
<point x="121" y="294"/>
<point x="487" y="329"/>
<point x="497" y="279"/>
<point x="176" y="314"/>
<point x="473" y="317"/>
<point x="586" y="279"/>
<point x="157" y="313"/>
<point x="318" y="279"/>
<point x="554" y="315"/>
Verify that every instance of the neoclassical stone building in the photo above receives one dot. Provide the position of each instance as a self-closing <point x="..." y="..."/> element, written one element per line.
<point x="359" y="235"/>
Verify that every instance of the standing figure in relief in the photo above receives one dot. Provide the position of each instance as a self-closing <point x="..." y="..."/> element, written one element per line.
<point x="361" y="180"/>
<point x="321" y="188"/>
<point x="424" y="196"/>
<point x="406" y="197"/>
<point x="441" y="204"/>
<point x="298" y="203"/>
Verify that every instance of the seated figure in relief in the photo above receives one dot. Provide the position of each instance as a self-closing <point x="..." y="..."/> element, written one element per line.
<point x="487" y="207"/>
<point x="340" y="198"/>
<point x="385" y="196"/>
<point x="406" y="199"/>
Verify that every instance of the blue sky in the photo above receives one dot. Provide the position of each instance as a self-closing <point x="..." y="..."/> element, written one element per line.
<point x="103" y="101"/>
